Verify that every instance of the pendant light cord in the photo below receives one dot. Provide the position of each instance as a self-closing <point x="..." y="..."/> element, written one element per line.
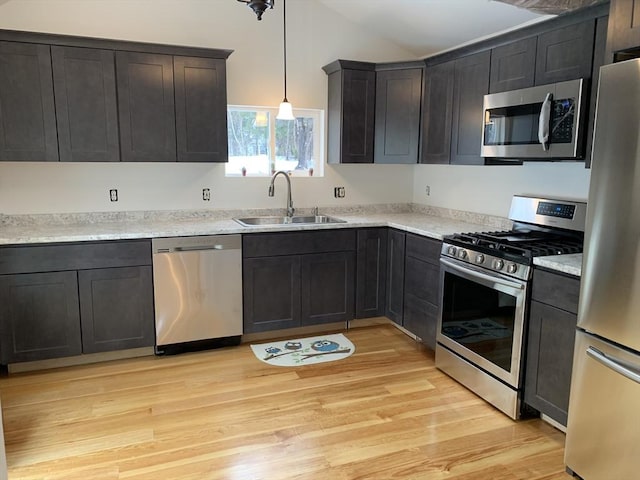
<point x="284" y="22"/>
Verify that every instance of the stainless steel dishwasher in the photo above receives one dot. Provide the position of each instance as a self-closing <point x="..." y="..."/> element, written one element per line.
<point x="197" y="284"/>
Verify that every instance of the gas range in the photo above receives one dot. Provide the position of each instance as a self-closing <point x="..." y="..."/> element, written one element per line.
<point x="541" y="227"/>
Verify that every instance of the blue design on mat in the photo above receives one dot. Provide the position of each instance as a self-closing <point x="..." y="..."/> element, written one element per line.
<point x="325" y="346"/>
<point x="272" y="350"/>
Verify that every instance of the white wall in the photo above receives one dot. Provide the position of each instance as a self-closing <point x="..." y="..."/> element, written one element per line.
<point x="489" y="189"/>
<point x="316" y="36"/>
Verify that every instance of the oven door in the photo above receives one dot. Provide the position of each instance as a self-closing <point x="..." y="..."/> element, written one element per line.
<point x="482" y="318"/>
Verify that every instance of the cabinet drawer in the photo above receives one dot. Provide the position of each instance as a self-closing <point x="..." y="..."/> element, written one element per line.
<point x="423" y="248"/>
<point x="80" y="256"/>
<point x="555" y="289"/>
<point x="297" y="243"/>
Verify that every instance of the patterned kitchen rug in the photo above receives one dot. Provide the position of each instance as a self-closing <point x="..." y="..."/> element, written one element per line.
<point x="304" y="351"/>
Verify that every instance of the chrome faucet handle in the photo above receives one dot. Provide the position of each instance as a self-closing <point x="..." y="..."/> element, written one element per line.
<point x="315" y="211"/>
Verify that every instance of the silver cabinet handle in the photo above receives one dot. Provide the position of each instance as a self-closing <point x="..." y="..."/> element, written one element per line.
<point x="199" y="247"/>
<point x="544" y="122"/>
<point x="623" y="368"/>
<point x="473" y="273"/>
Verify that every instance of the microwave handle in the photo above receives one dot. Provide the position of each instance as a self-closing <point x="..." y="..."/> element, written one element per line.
<point x="544" y="122"/>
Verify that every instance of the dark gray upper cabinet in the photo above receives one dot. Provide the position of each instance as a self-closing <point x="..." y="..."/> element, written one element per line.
<point x="513" y="65"/>
<point x="27" y="112"/>
<point x="565" y="53"/>
<point x="201" y="109"/>
<point x="371" y="272"/>
<point x="351" y="111"/>
<point x="146" y="107"/>
<point x="437" y="113"/>
<point x="471" y="83"/>
<point x="599" y="55"/>
<point x="397" y="120"/>
<point x="624" y="27"/>
<point x="86" y="106"/>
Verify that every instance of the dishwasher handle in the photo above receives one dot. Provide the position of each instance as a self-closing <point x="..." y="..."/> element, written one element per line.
<point x="195" y="244"/>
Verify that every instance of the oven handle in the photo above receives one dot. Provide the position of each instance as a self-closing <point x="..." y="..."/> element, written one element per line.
<point x="483" y="276"/>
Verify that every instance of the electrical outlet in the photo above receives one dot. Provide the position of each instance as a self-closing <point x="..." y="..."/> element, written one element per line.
<point x="427" y="190"/>
<point x="206" y="194"/>
<point x="338" y="192"/>
<point x="113" y="194"/>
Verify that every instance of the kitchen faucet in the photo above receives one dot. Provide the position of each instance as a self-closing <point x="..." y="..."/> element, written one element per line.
<point x="290" y="208"/>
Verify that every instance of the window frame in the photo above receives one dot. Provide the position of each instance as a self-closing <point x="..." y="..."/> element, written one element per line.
<point x="319" y="139"/>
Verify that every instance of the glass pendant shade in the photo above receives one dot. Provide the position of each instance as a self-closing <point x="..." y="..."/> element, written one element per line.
<point x="285" y="112"/>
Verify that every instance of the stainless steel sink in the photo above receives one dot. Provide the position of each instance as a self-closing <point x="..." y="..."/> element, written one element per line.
<point x="298" y="220"/>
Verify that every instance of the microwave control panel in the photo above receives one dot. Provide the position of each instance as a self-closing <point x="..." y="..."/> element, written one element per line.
<point x="562" y="120"/>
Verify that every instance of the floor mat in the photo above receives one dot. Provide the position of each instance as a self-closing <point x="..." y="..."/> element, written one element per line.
<point x="304" y="351"/>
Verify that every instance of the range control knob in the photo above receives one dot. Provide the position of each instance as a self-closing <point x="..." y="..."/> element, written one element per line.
<point x="462" y="254"/>
<point x="512" y="268"/>
<point x="451" y="251"/>
<point x="498" y="264"/>
<point x="480" y="258"/>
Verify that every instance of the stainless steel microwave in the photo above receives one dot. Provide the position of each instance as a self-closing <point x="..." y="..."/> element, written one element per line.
<point x="545" y="122"/>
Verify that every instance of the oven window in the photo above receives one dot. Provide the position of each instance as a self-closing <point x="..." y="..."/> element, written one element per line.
<point x="479" y="318"/>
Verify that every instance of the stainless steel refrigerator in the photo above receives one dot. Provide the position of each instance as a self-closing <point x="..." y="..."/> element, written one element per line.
<point x="603" y="430"/>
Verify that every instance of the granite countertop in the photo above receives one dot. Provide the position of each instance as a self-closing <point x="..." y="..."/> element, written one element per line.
<point x="571" y="264"/>
<point x="426" y="221"/>
<point x="422" y="220"/>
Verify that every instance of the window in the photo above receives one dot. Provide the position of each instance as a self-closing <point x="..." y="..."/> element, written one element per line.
<point x="260" y="145"/>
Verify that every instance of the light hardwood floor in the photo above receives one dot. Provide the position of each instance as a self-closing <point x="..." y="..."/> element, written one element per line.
<point x="384" y="413"/>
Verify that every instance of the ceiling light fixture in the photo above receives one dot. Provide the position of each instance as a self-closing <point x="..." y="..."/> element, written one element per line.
<point x="259" y="6"/>
<point x="285" y="112"/>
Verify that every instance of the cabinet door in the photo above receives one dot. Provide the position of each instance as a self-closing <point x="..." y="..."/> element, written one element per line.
<point x="398" y="98"/>
<point x="146" y="107"/>
<point x="513" y="66"/>
<point x="201" y="109"/>
<point x="471" y="83"/>
<point x="371" y="272"/>
<point x="86" y="110"/>
<point x="352" y="95"/>
<point x="271" y="293"/>
<point x="328" y="287"/>
<point x="39" y="317"/>
<point x="565" y="54"/>
<point x="421" y="299"/>
<point x="27" y="112"/>
<point x="549" y="360"/>
<point x="598" y="60"/>
<point x="421" y="319"/>
<point x="116" y="308"/>
<point x="395" y="275"/>
<point x="624" y="25"/>
<point x="437" y="113"/>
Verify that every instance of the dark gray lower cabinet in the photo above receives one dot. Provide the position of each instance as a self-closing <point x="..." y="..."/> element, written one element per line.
<point x="395" y="275"/>
<point x="550" y="344"/>
<point x="112" y="303"/>
<point x="422" y="287"/>
<point x="271" y="293"/>
<point x="328" y="287"/>
<point x="92" y="297"/>
<point x="294" y="279"/>
<point x="371" y="272"/>
<point x="39" y="316"/>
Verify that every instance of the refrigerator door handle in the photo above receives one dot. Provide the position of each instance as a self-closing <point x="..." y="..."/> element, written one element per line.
<point x="631" y="372"/>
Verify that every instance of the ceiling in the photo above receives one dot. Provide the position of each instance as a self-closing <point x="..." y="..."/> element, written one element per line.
<point x="426" y="27"/>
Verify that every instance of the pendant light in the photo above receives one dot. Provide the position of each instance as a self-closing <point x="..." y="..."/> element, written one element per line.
<point x="285" y="112"/>
<point x="259" y="6"/>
